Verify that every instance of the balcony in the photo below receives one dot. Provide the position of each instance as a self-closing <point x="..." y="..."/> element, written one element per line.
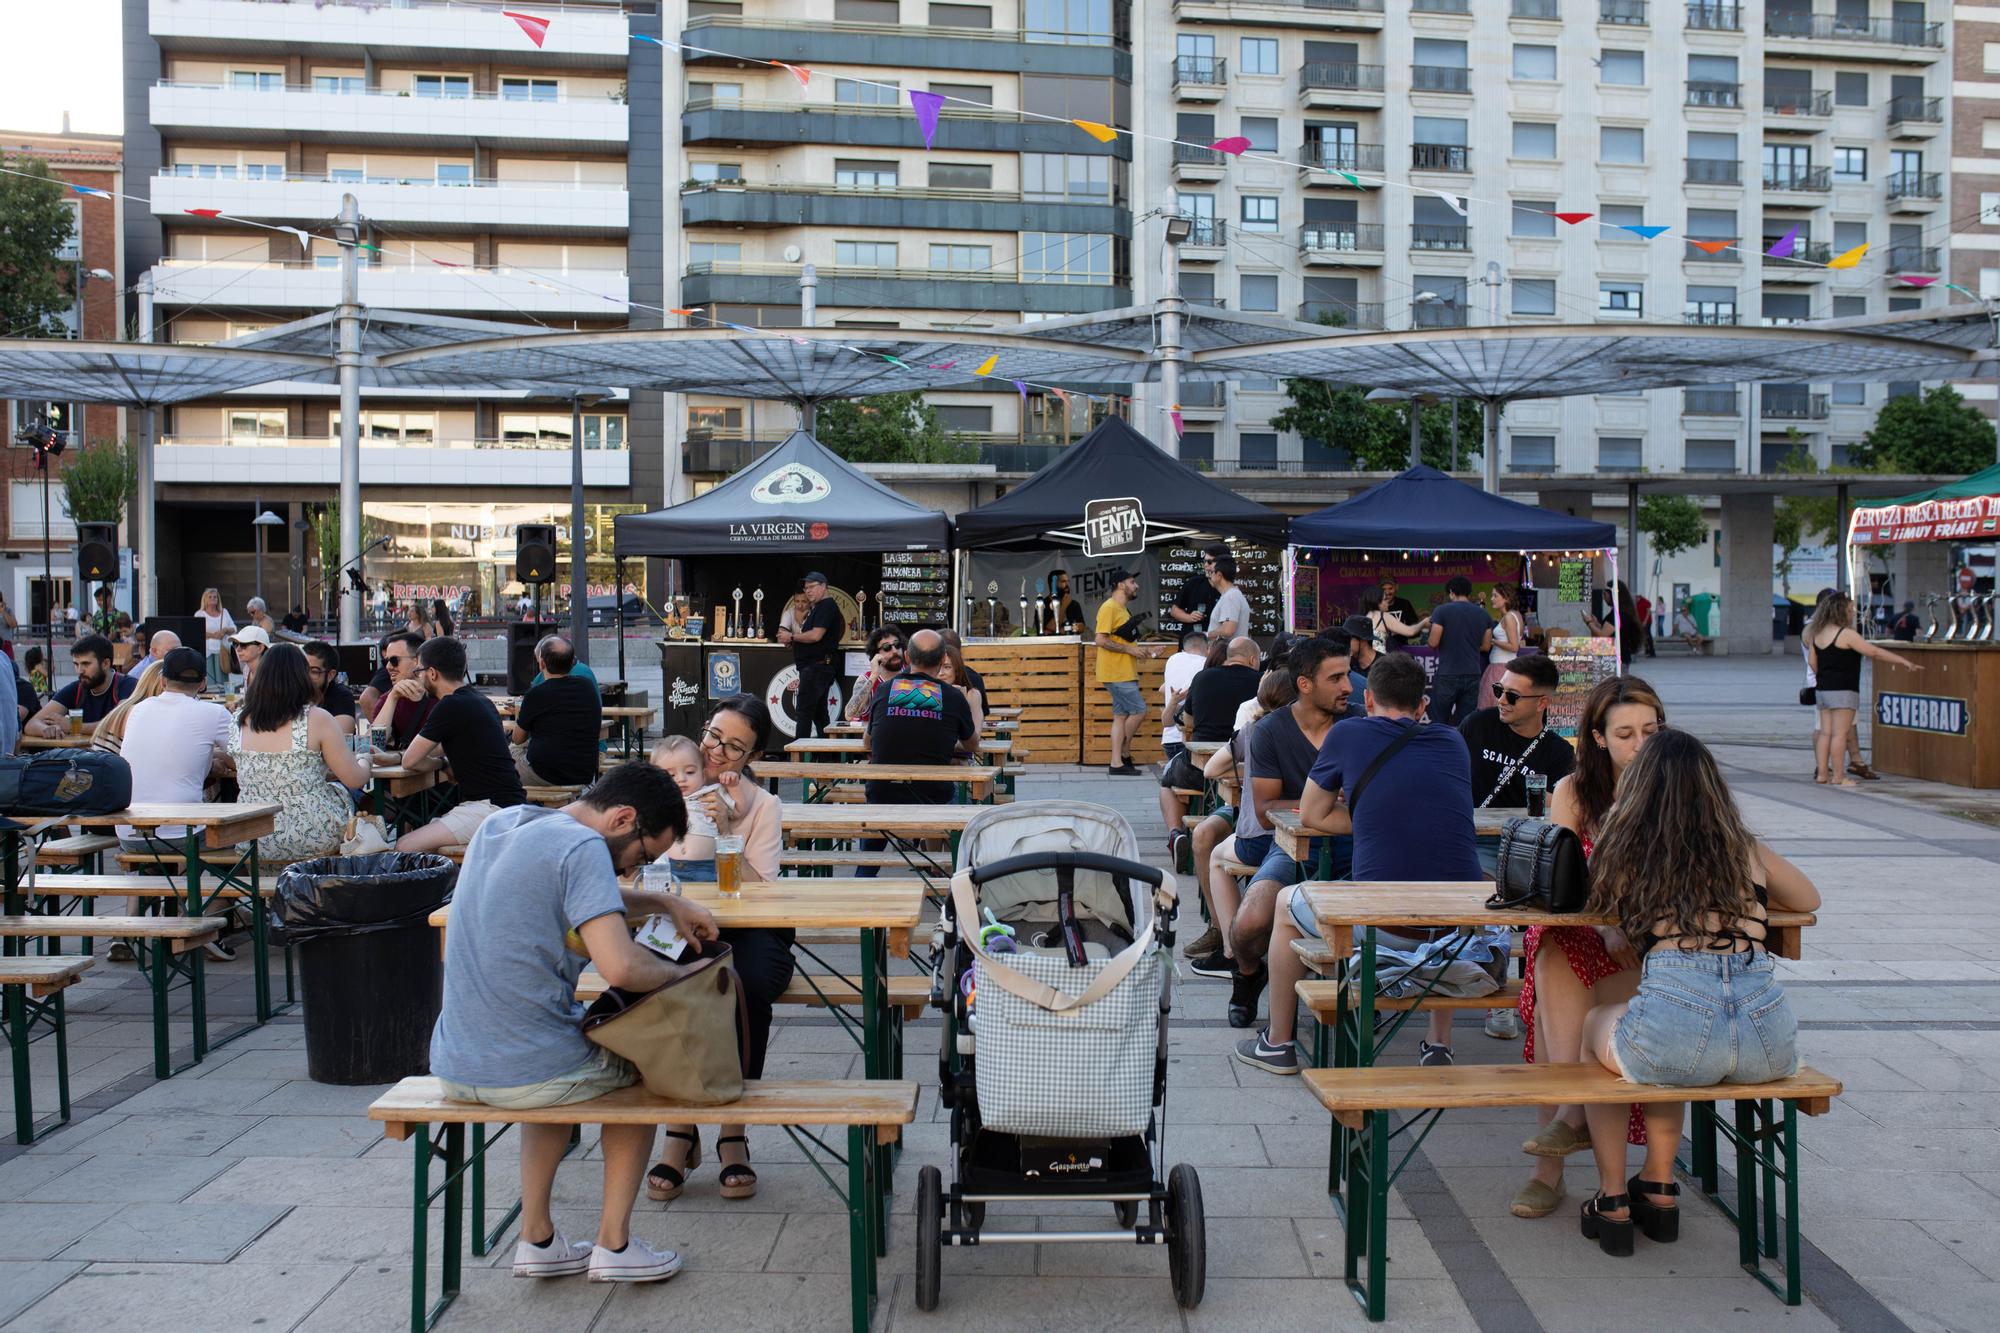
<point x="1709" y="403"/>
<point x="733" y="124"/>
<point x="1806" y="262"/>
<point x="1338" y="156"/>
<point x="1843" y="38"/>
<point x="1622" y="13"/>
<point x="1327" y="15"/>
<point x="1913" y="259"/>
<point x="1440" y="79"/>
<point x="1440" y="157"/>
<point x="1549" y="10"/>
<point x="468" y="290"/>
<point x="1915" y="191"/>
<point x="1208" y="239"/>
<point x="1712" y="171"/>
<point x="1798" y="180"/>
<point x="1798" y="104"/>
<point x="1200" y="78"/>
<point x="580" y="35"/>
<point x="1195" y="163"/>
<point x="438" y="207"/>
<point x="822" y="204"/>
<point x="1342" y="243"/>
<point x="375" y="116"/>
<point x="728" y="41"/>
<point x="907" y="288"/>
<point x="1715" y="94"/>
<point x="1696" y="255"/>
<point x="1440" y="236"/>
<point x="1343" y="314"/>
<point x="1440" y="6"/>
<point x="1714" y="16"/>
<point x="307" y="461"/>
<point x="1712" y="319"/>
<point x="1438" y="315"/>
<point x="1337" y="86"/>
<point x="1916" y="117"/>
<point x="1784" y="403"/>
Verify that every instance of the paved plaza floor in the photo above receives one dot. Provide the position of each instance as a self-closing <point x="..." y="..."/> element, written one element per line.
<point x="240" y="1195"/>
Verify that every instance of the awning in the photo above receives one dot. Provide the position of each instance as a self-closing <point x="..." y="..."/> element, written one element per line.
<point x="1425" y="508"/>
<point x="138" y="374"/>
<point x="1963" y="510"/>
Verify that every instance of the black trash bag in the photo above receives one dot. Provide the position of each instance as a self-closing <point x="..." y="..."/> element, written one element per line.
<point x="336" y="896"/>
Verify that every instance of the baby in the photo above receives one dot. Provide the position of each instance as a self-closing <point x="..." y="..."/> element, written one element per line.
<point x="693" y="857"/>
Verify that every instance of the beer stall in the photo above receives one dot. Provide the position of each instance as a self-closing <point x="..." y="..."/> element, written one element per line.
<point x="1113" y="500"/>
<point x="1942" y="723"/>
<point x="745" y="548"/>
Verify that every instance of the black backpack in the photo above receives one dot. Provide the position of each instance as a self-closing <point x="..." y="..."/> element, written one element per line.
<point x="64" y="783"/>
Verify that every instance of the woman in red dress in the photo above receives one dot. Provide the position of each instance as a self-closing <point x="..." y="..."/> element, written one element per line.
<point x="1572" y="968"/>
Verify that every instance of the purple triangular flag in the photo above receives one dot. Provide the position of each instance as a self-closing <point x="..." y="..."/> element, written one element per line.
<point x="1021" y="387"/>
<point x="926" y="105"/>
<point x="1783" y="249"/>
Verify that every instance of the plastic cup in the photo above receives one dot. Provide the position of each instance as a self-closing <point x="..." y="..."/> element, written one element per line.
<point x="729" y="866"/>
<point x="658" y="877"/>
<point x="1538" y="793"/>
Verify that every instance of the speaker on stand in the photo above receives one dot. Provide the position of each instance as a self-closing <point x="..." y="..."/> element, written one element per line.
<point x="535" y="558"/>
<point x="97" y="553"/>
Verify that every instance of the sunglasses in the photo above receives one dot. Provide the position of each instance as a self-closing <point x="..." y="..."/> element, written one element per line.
<point x="394" y="661"/>
<point x="1512" y="697"/>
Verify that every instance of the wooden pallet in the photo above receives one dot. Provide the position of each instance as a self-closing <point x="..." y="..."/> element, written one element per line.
<point x="1040" y="677"/>
<point x="1097" y="711"/>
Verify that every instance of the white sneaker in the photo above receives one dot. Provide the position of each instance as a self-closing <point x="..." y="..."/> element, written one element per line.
<point x="1503" y="1024"/>
<point x="637" y="1262"/>
<point x="561" y="1257"/>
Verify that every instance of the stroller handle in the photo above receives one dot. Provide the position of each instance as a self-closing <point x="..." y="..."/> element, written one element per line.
<point x="1111" y="865"/>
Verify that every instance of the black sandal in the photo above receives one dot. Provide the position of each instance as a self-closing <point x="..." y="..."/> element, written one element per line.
<point x="663" y="1182"/>
<point x="1659" y="1223"/>
<point x="738" y="1180"/>
<point x="1613" y="1236"/>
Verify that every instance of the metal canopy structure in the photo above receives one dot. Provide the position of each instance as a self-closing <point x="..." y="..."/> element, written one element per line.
<point x="1203" y="328"/>
<point x="382" y="332"/>
<point x="134" y="374"/>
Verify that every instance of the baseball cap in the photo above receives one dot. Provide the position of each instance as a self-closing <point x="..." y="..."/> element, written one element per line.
<point x="251" y="634"/>
<point x="815" y="577"/>
<point x="1118" y="576"/>
<point x="1359" y="627"/>
<point x="184" y="665"/>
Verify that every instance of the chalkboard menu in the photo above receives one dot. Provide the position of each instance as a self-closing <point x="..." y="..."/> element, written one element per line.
<point x="1572" y="579"/>
<point x="916" y="588"/>
<point x="1260" y="575"/>
<point x="1583" y="661"/>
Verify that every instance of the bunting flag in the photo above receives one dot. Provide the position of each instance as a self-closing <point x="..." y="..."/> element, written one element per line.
<point x="1351" y="179"/>
<point x="1573" y="218"/>
<point x="1912" y="280"/>
<point x="536" y="27"/>
<point x="897" y="362"/>
<point x="941" y="365"/>
<point x="799" y="72"/>
<point x="1451" y="200"/>
<point x="1101" y="133"/>
<point x="1235" y="146"/>
<point x="446" y="263"/>
<point x="1648" y="232"/>
<point x="1174" y="415"/>
<point x="1954" y="287"/>
<point x="1850" y="258"/>
<point x="1712" y="247"/>
<point x="986" y="367"/>
<point x="85" y="189"/>
<point x="204" y="212"/>
<point x="1021" y="387"/>
<point x="927" y="106"/>
<point x="1785" y="244"/>
<point x="677" y="310"/>
<point x="647" y="37"/>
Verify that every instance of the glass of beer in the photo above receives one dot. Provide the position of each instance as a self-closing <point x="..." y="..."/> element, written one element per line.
<point x="729" y="866"/>
<point x="1538" y="793"/>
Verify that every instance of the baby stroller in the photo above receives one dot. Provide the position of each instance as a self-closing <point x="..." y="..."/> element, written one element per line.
<point x="1054" y="975"/>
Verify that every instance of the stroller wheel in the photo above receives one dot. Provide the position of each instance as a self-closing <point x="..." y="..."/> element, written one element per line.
<point x="1128" y="1214"/>
<point x="1187" y="1237"/>
<point x="930" y="1236"/>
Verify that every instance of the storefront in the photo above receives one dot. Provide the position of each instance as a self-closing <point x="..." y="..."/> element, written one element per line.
<point x="463" y="554"/>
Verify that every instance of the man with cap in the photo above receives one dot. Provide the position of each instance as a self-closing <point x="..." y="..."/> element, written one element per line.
<point x="1361" y="657"/>
<point x="1118" y="654"/>
<point x="813" y="645"/>
<point x="250" y="641"/>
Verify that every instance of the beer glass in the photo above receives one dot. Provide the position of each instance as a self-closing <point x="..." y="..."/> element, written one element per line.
<point x="729" y="866"/>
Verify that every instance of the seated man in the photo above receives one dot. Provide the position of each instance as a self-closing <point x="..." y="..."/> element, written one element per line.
<point x="885" y="659"/>
<point x="402" y="704"/>
<point x="555" y="734"/>
<point x="97" y="689"/>
<point x="1410" y="811"/>
<point x="323" y="670"/>
<point x="157" y="648"/>
<point x="507" y="1035"/>
<point x="915" y="718"/>
<point x="1209" y="709"/>
<point x="463" y="731"/>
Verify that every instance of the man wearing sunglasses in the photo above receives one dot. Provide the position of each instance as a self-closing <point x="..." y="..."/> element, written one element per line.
<point x="402" y="703"/>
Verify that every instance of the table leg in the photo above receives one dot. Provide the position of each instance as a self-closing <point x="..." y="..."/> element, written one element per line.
<point x="875" y="1056"/>
<point x="16" y="1004"/>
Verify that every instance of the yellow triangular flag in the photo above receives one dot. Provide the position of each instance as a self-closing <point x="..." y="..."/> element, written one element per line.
<point x="986" y="367"/>
<point x="1850" y="259"/>
<point x="1101" y="133"/>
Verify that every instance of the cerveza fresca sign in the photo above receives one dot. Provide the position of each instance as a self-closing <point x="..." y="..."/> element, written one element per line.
<point x="1928" y="521"/>
<point x="1113" y="527"/>
<point x="1937" y="714"/>
<point x="786" y="485"/>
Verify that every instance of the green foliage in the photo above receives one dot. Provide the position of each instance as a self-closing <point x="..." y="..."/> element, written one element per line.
<point x="326" y="538"/>
<point x="1937" y="434"/>
<point x="890" y="428"/>
<point x="1799" y="520"/>
<point x="34" y="224"/>
<point x="1377" y="435"/>
<point x="1672" y="524"/>
<point x="100" y="480"/>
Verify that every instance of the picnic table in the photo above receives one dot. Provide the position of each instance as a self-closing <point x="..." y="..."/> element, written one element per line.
<point x="1006" y="711"/>
<point x="631" y="721"/>
<point x="820" y="778"/>
<point x="994" y="750"/>
<point x="1290" y="835"/>
<point x="991" y="731"/>
<point x="898" y="825"/>
<point x="411" y="797"/>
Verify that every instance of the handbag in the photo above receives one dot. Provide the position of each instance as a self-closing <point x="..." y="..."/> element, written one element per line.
<point x="1540" y="866"/>
<point x="1808" y="695"/>
<point x="689" y="1039"/>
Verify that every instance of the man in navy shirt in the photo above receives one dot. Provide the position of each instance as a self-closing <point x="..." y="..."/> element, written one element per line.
<point x="1413" y="821"/>
<point x="1462" y="633"/>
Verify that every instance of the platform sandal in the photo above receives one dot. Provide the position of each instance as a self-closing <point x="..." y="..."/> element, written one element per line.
<point x="1662" y="1224"/>
<point x="664" y="1182"/>
<point x="1613" y="1236"/>
<point x="739" y="1181"/>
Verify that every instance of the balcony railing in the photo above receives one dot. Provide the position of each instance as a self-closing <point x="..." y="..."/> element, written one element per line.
<point x="1338" y="156"/>
<point x="1805" y="254"/>
<point x="1343" y="237"/>
<point x="1916" y="185"/>
<point x="1696" y="255"/>
<point x="1815" y="180"/>
<point x="1712" y="319"/>
<point x="1207" y="231"/>
<point x="1440" y="236"/>
<point x="333" y="442"/>
<point x="1194" y="155"/>
<point x="1792" y="405"/>
<point x="1016" y="36"/>
<point x="1911" y="109"/>
<point x="1339" y="76"/>
<point x="1914" y="259"/>
<point x="1440" y="79"/>
<point x="1629" y="13"/>
<point x="887" y="273"/>
<point x="1708" y="402"/>
<point x="194" y="171"/>
<point x="452" y="94"/>
<point x="1200" y="71"/>
<point x="1841" y="28"/>
<point x="1713" y="171"/>
<point x="1715" y="15"/>
<point x="1714" y="93"/>
<point x="1536" y="9"/>
<point x="1343" y="314"/>
<point x="1441" y="6"/>
<point x="1440" y="157"/>
<point x="1798" y="102"/>
<point x="1438" y="315"/>
<point x="886" y="192"/>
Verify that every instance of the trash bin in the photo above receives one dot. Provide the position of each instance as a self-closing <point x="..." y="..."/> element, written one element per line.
<point x="370" y="971"/>
<point x="1702" y="606"/>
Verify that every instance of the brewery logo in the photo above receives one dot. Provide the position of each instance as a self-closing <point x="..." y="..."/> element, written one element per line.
<point x="1939" y="715"/>
<point x="781" y="696"/>
<point x="791" y="484"/>
<point x="818" y="532"/>
<point x="1113" y="527"/>
<point x="682" y="694"/>
<point x="725" y="675"/>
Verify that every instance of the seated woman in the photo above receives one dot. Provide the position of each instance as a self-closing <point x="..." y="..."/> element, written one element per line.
<point x="289" y="753"/>
<point x="1709" y="1008"/>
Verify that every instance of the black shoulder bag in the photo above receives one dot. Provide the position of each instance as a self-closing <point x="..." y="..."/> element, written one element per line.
<point x="1541" y="866"/>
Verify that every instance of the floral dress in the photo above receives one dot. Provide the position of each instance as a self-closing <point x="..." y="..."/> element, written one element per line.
<point x="312" y="811"/>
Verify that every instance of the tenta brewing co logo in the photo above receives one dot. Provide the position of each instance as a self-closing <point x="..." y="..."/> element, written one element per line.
<point x="1113" y="527"/>
<point x="791" y="484"/>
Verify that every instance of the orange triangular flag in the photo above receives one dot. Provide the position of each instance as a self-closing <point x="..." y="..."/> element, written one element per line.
<point x="1099" y="132"/>
<point x="676" y="310"/>
<point x="1712" y="247"/>
<point x="799" y="72"/>
<point x="1850" y="259"/>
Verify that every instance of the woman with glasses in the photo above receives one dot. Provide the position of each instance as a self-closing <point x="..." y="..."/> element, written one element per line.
<point x="737" y="733"/>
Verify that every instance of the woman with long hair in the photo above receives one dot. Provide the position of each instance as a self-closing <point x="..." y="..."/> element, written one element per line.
<point x="110" y="733"/>
<point x="953" y="672"/>
<point x="1625" y="628"/>
<point x="1691" y="888"/>
<point x="1834" y="649"/>
<point x="1504" y="602"/>
<point x="1570" y="968"/>
<point x="217" y="625"/>
<point x="1391" y="630"/>
<point x="442" y="626"/>
<point x="289" y="753"/>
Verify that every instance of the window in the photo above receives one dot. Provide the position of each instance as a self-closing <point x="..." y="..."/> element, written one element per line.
<point x="1059" y="176"/>
<point x="961" y="258"/>
<point x="1993" y="57"/>
<point x="454" y="173"/>
<point x="1052" y="256"/>
<point x="1850" y="164"/>
<point x="1989" y="278"/>
<point x="1534" y="296"/>
<point x="1989" y="134"/>
<point x="1846" y="307"/>
<point x="1621" y="146"/>
<point x="710" y="173"/>
<point x="1621" y="300"/>
<point x="1067" y="22"/>
<point x="960" y="16"/>
<point x="1257" y="449"/>
<point x="1627" y="68"/>
<point x="1531" y="453"/>
<point x="1534" y="62"/>
<point x="715" y="252"/>
<point x="964" y="417"/>
<point x="1198" y="288"/>
<point x="1259" y="212"/>
<point x="256" y="81"/>
<point x="1197" y="446"/>
<point x="961" y="176"/>
<point x="1262" y="132"/>
<point x="1448" y="130"/>
<point x="1850" y="395"/>
<point x="715" y="92"/>
<point x="384" y="428"/>
<point x="347" y="84"/>
<point x="1260" y="291"/>
<point x="528" y="90"/>
<point x="1258" y="55"/>
<point x="24" y="519"/>
<point x="1710" y="304"/>
<point x="714" y="418"/>
<point x="1069" y="98"/>
<point x="867" y="11"/>
<point x="978" y="93"/>
<point x="1850" y="88"/>
<point x="249" y="427"/>
<point x="529" y="430"/>
<point x="1711" y="456"/>
<point x="864" y="254"/>
<point x="1620" y="215"/>
<point x="1989" y="210"/>
<point x="456" y="87"/>
<point x="1534" y="141"/>
<point x="864" y="175"/>
<point x="1534" y="218"/>
<point x="1619" y="453"/>
<point x="1847" y="235"/>
<point x="855" y="92"/>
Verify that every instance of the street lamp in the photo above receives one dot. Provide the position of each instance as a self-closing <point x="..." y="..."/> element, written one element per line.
<point x="579" y="556"/>
<point x="1417" y="402"/>
<point x="267" y="519"/>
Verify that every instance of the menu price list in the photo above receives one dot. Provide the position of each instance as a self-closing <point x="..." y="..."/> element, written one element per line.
<point x="1259" y="576"/>
<point x="916" y="587"/>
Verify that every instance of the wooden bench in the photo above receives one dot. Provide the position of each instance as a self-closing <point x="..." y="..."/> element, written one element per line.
<point x="31" y="995"/>
<point x="794" y="859"/>
<point x="832" y="779"/>
<point x="908" y="995"/>
<point x="82" y="849"/>
<point x="1361" y="1100"/>
<point x="1324" y="1001"/>
<point x="554" y="798"/>
<point x="873" y="1114"/>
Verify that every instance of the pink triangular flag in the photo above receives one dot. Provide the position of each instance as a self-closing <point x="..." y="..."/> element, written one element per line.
<point x="942" y="365"/>
<point x="535" y="26"/>
<point x="1174" y="415"/>
<point x="1912" y="280"/>
<point x="799" y="72"/>
<point x="926" y="105"/>
<point x="1235" y="146"/>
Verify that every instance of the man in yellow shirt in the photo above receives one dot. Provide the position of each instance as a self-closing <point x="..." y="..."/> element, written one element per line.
<point x="1118" y="670"/>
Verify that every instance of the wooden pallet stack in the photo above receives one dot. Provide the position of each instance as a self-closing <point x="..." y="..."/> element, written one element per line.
<point x="1039" y="675"/>
<point x="1097" y="711"/>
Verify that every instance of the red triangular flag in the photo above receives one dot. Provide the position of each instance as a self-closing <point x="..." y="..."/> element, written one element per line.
<point x="205" y="212"/>
<point x="1711" y="247"/>
<point x="536" y="27"/>
<point x="799" y="72"/>
<point x="1574" y="218"/>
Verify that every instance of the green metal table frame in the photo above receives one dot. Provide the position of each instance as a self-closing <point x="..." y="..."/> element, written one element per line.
<point x="23" y="1014"/>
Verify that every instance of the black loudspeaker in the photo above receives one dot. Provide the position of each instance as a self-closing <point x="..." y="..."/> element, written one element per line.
<point x="97" y="552"/>
<point x="522" y="636"/>
<point x="535" y="553"/>
<point x="190" y="630"/>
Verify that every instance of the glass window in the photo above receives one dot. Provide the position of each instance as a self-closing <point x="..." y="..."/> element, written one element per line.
<point x="866" y="11"/>
<point x="348" y="84"/>
<point x="1534" y="218"/>
<point x="1710" y="304"/>
<point x="1711" y="456"/>
<point x="1198" y="446"/>
<point x="1850" y="395"/>
<point x="864" y="175"/>
<point x="1439" y="51"/>
<point x="961" y="258"/>
<point x="1712" y="69"/>
<point x="715" y="92"/>
<point x="864" y="254"/>
<point x="960" y="16"/>
<point x="1531" y="453"/>
<point x="1850" y="88"/>
<point x="256" y="81"/>
<point x="965" y="417"/>
<point x="715" y="252"/>
<point x="1260" y="212"/>
<point x="248" y="427"/>
<point x="454" y="173"/>
<point x="1989" y="210"/>
<point x="1067" y="22"/>
<point x="1534" y="141"/>
<point x="875" y="92"/>
<point x="453" y="86"/>
<point x="1047" y="177"/>
<point x="1448" y="130"/>
<point x="1619" y="453"/>
<point x="1258" y="55"/>
<point x="1048" y="256"/>
<point x="1260" y="291"/>
<point x="1534" y="296"/>
<point x="710" y="173"/>
<point x="1257" y="449"/>
<point x="528" y="90"/>
<point x="1622" y="67"/>
<point x="978" y="93"/>
<point x="1534" y="62"/>
<point x="1845" y="307"/>
<point x="1850" y="164"/>
<point x="1069" y="98"/>
<point x="1262" y="132"/>
<point x="1847" y="235"/>
<point x="1621" y="300"/>
<point x="1621" y="146"/>
<point x="961" y="176"/>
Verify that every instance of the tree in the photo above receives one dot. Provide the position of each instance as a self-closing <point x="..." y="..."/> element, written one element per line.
<point x="1377" y="435"/>
<point x="1672" y="524"/>
<point x="1937" y="434"/>
<point x="890" y="428"/>
<point x="34" y="226"/>
<point x="326" y="537"/>
<point x="101" y="480"/>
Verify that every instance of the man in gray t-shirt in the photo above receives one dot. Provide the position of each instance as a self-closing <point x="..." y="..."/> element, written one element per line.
<point x="507" y="1035"/>
<point x="1230" y="616"/>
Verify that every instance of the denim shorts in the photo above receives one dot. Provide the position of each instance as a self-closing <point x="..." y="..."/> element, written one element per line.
<point x="1125" y="697"/>
<point x="603" y="1072"/>
<point x="1272" y="863"/>
<point x="1705" y="1018"/>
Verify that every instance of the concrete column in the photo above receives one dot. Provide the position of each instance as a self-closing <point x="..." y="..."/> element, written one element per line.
<point x="1580" y="504"/>
<point x="1746" y="576"/>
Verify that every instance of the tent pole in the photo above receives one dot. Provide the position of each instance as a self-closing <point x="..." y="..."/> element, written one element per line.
<point x="618" y="601"/>
<point x="1846" y="583"/>
<point x="1491" y="461"/>
<point x="579" y="548"/>
<point x="349" y="360"/>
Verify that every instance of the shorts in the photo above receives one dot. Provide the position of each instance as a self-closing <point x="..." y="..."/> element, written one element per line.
<point x="603" y="1072"/>
<point x="1848" y="699"/>
<point x="1273" y="864"/>
<point x="1172" y="750"/>
<point x="465" y="818"/>
<point x="1126" y="700"/>
<point x="1705" y="1018"/>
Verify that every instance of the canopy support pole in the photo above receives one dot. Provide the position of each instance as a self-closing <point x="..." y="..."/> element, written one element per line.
<point x="348" y="358"/>
<point x="579" y="553"/>
<point x="1416" y="431"/>
<point x="1491" y="459"/>
<point x="618" y="600"/>
<point x="1845" y="584"/>
<point x="145" y="534"/>
<point x="1632" y="535"/>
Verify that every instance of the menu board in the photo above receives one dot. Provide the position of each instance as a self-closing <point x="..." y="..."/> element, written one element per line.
<point x="1305" y="598"/>
<point x="916" y="589"/>
<point x="1583" y="661"/>
<point x="1572" y="580"/>
<point x="1260" y="575"/>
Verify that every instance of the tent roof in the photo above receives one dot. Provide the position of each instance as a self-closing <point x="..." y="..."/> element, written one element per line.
<point x="799" y="498"/>
<point x="1965" y="488"/>
<point x="1425" y="508"/>
<point x="1113" y="461"/>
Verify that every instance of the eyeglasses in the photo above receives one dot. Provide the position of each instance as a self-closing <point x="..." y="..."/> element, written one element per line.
<point x="394" y="661"/>
<point x="733" y="749"/>
<point x="1512" y="697"/>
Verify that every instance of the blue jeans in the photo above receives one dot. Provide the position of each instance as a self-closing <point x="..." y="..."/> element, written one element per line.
<point x="694" y="872"/>
<point x="1702" y="1018"/>
<point x="1272" y="863"/>
<point x="1454" y="698"/>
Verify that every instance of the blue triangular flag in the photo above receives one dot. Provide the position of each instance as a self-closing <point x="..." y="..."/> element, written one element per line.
<point x="1648" y="232"/>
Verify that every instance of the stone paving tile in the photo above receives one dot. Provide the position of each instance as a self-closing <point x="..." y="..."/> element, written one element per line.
<point x="309" y="1136"/>
<point x="221" y="1095"/>
<point x="1870" y="1248"/>
<point x="222" y="1298"/>
<point x="41" y="1230"/>
<point x="378" y="1297"/>
<point x="329" y="1182"/>
<point x="183" y="1135"/>
<point x="1929" y="1306"/>
<point x="1243" y="1247"/>
<point x="175" y="1233"/>
<point x="342" y="1235"/>
<point x="1580" y="1304"/>
<point x="1320" y="1304"/>
<point x="129" y="1178"/>
<point x="24" y="1283"/>
<point x="300" y="1097"/>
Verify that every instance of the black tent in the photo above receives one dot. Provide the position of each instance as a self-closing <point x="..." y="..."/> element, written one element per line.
<point x="1424" y="507"/>
<point x="1115" y="461"/>
<point x="799" y="498"/>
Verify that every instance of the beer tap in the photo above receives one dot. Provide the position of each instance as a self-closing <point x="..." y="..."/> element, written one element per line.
<point x="861" y="611"/>
<point x="757" y="616"/>
<point x="968" y="614"/>
<point x="993" y="609"/>
<point x="736" y="613"/>
<point x="1024" y="607"/>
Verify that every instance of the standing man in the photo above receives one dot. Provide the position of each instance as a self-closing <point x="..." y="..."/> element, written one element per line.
<point x="463" y="731"/>
<point x="97" y="689"/>
<point x="1230" y="616"/>
<point x="1118" y="669"/>
<point x="555" y="733"/>
<point x="1064" y="615"/>
<point x="1645" y="609"/>
<point x="1906" y="625"/>
<point x="1196" y="598"/>
<point x="1399" y="607"/>
<point x="1462" y="633"/>
<point x="813" y="646"/>
<point x="104" y="620"/>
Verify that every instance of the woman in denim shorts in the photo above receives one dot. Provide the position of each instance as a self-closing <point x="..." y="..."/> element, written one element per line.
<point x="1690" y="887"/>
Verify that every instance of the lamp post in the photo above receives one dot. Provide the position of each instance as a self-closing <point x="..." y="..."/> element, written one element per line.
<point x="265" y="519"/>
<point x="579" y="554"/>
<point x="1416" y="402"/>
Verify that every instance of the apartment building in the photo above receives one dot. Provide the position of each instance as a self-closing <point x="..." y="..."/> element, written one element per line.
<point x="499" y="178"/>
<point x="1975" y="164"/>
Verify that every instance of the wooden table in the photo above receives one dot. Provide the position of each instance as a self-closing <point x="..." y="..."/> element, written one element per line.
<point x="32" y="743"/>
<point x="1290" y="835"/>
<point x="876" y="821"/>
<point x="992" y="750"/>
<point x="631" y="721"/>
<point x="991" y="731"/>
<point x="411" y="797"/>
<point x="1006" y="711"/>
<point x="820" y="778"/>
